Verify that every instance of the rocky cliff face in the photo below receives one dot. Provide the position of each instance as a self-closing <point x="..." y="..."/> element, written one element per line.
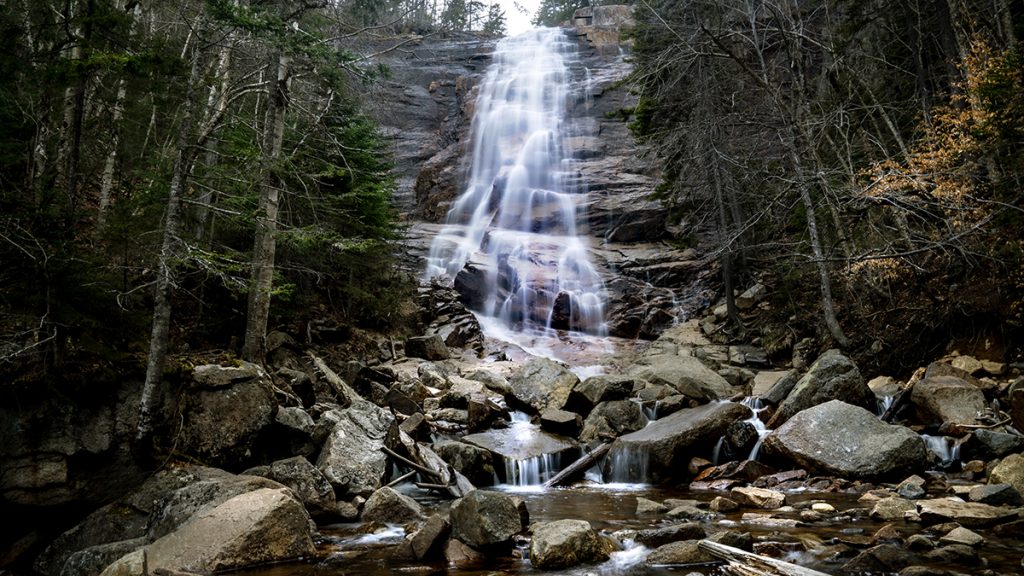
<point x="650" y="281"/>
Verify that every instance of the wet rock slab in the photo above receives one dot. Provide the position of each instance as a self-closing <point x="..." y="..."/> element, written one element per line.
<point x="520" y="441"/>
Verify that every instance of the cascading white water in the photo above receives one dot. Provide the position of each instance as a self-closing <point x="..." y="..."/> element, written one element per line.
<point x="517" y="218"/>
<point x="756" y="407"/>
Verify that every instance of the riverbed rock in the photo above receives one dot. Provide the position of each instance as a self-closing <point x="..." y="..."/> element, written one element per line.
<point x="758" y="498"/>
<point x="687" y="374"/>
<point x="1009" y="471"/>
<point x="224" y="410"/>
<point x="665" y="446"/>
<point x="833" y="376"/>
<point x="266" y="525"/>
<point x="996" y="495"/>
<point x="561" y="422"/>
<point x="679" y="553"/>
<point x="484" y="519"/>
<point x="969" y="514"/>
<point x="542" y="383"/>
<point x="989" y="445"/>
<point x="473" y="462"/>
<point x="588" y="393"/>
<point x="431" y="347"/>
<point x="940" y="399"/>
<point x="848" y="441"/>
<point x="389" y="506"/>
<point x="655" y="537"/>
<point x="567" y="543"/>
<point x="427" y="541"/>
<point x="892" y="508"/>
<point x="351" y="458"/>
<point x="306" y="482"/>
<point x="614" y="418"/>
<point x="880" y="559"/>
<point x="512" y="443"/>
<point x="961" y="535"/>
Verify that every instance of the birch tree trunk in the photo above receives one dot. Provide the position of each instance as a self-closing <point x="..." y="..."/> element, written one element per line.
<point x="165" y="265"/>
<point x="262" y="278"/>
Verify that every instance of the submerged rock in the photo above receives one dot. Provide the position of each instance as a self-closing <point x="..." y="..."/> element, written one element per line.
<point x="839" y="439"/>
<point x="567" y="543"/>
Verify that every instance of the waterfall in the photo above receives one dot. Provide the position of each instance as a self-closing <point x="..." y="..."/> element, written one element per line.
<point x="515" y="223"/>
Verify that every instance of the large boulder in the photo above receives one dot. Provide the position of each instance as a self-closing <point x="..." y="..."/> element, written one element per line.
<point x="430" y="347"/>
<point x="686" y="374"/>
<point x="831" y="377"/>
<point x="306" y="481"/>
<point x="660" y="451"/>
<point x="224" y="410"/>
<point x="473" y="462"/>
<point x="485" y="519"/>
<point x="266" y="525"/>
<point x="542" y="383"/>
<point x="848" y="441"/>
<point x="567" y="543"/>
<point x="988" y="445"/>
<point x="390" y="506"/>
<point x="940" y="399"/>
<point x="596" y="389"/>
<point x="1009" y="471"/>
<point x="613" y="418"/>
<point x="351" y="458"/>
<point x="941" y="510"/>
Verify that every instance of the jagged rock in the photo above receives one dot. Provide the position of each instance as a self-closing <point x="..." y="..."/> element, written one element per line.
<point x="306" y="482"/>
<point x="686" y="374"/>
<point x="433" y="375"/>
<point x="567" y="543"/>
<point x="391" y="507"/>
<point x="884" y="386"/>
<point x="679" y="553"/>
<point x="613" y="418"/>
<point x="561" y="422"/>
<point x="751" y="296"/>
<point x="483" y="519"/>
<point x="428" y="539"/>
<point x="430" y="347"/>
<point x="965" y="513"/>
<point x="1009" y="471"/>
<point x="989" y="445"/>
<point x="224" y="411"/>
<point x="745" y="470"/>
<point x="259" y="527"/>
<point x="292" y="431"/>
<point x="912" y="488"/>
<point x="758" y="498"/>
<point x="947" y="399"/>
<point x="996" y="495"/>
<point x="473" y="462"/>
<point x="831" y="377"/>
<point x="91" y="561"/>
<point x="667" y="444"/>
<point x="587" y="394"/>
<point x="351" y="458"/>
<point x="847" y="441"/>
<point x="765" y="380"/>
<point x="542" y="383"/>
<point x="491" y="380"/>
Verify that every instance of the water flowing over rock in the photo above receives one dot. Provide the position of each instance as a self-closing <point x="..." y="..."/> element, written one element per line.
<point x="567" y="543"/>
<point x="351" y="457"/>
<point x="668" y="444"/>
<point x="848" y="441"/>
<point x="516" y="222"/>
<point x="833" y="376"/>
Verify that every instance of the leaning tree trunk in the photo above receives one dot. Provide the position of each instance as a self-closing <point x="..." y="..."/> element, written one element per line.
<point x="262" y="279"/>
<point x="165" y="264"/>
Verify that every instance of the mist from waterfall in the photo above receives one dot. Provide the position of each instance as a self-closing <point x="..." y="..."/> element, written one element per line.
<point x="514" y="228"/>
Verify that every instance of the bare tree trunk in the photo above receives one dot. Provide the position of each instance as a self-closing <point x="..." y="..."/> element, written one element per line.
<point x="165" y="265"/>
<point x="262" y="278"/>
<point x="69" y="151"/>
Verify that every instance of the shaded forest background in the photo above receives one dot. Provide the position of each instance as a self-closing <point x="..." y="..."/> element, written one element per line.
<point x="169" y="169"/>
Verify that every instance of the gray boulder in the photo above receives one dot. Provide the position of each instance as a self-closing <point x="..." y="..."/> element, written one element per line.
<point x="473" y="462"/>
<point x="223" y="412"/>
<point x="940" y="399"/>
<point x="831" y="377"/>
<point x="848" y="441"/>
<point x="392" y="507"/>
<point x="989" y="445"/>
<point x="259" y="527"/>
<point x="687" y="374"/>
<point x="660" y="451"/>
<point x="306" y="481"/>
<point x="542" y="383"/>
<point x="596" y="389"/>
<point x="567" y="543"/>
<point x="679" y="553"/>
<point x="654" y="537"/>
<point x="1009" y="471"/>
<point x="427" y="347"/>
<point x="351" y="458"/>
<point x="484" y="519"/>
<point x="613" y="418"/>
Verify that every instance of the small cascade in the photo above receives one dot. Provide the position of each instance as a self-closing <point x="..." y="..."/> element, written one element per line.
<point x="755" y="405"/>
<point x="626" y="466"/>
<point x="945" y="447"/>
<point x="516" y="221"/>
<point x="882" y="404"/>
<point x="525" y="473"/>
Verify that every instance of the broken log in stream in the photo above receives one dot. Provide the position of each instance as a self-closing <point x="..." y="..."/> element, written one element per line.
<point x="742" y="563"/>
<point x="578" y="466"/>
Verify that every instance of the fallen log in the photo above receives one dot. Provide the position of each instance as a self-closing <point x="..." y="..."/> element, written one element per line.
<point x="347" y="394"/>
<point x="743" y="563"/>
<point x="578" y="466"/>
